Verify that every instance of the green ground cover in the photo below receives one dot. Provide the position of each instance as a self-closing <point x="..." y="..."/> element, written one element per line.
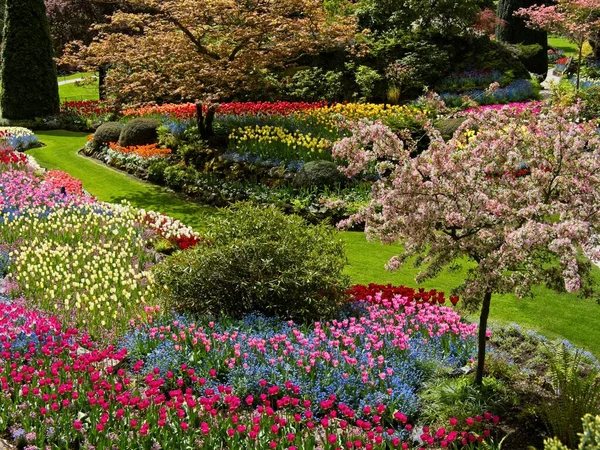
<point x="554" y="315"/>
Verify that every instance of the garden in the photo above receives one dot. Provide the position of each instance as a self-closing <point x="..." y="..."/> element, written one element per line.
<point x="299" y="225"/>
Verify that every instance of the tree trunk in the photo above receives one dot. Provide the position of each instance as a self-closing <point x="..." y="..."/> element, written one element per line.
<point x="205" y="123"/>
<point x="483" y="319"/>
<point x="102" y="69"/>
<point x="514" y="30"/>
<point x="579" y="65"/>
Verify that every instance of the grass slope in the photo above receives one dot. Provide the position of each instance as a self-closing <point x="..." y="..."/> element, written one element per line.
<point x="110" y="185"/>
<point x="555" y="315"/>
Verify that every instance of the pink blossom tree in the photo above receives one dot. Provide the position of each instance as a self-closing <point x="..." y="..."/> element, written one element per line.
<point x="517" y="194"/>
<point x="577" y="20"/>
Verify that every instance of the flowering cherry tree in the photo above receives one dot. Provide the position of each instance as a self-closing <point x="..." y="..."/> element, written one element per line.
<point x="519" y="197"/>
<point x="578" y="20"/>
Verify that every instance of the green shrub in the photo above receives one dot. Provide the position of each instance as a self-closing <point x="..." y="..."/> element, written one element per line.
<point x="589" y="439"/>
<point x="319" y="174"/>
<point x="366" y="78"/>
<point x="257" y="260"/>
<point x="591" y="100"/>
<point x="314" y="84"/>
<point x="576" y="388"/>
<point x="139" y="132"/>
<point x="177" y="177"/>
<point x="106" y="133"/>
<point x="446" y="397"/>
<point x="156" y="171"/>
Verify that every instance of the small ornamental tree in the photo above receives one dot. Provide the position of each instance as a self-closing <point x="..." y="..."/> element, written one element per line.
<point x="577" y="20"/>
<point x="519" y="198"/>
<point x="28" y="72"/>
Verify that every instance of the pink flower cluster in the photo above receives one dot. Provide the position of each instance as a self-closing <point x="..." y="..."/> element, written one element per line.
<point x="57" y="179"/>
<point x="21" y="190"/>
<point x="515" y="108"/>
<point x="55" y="378"/>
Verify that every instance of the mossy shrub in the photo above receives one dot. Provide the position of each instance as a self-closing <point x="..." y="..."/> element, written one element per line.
<point x="139" y="132"/>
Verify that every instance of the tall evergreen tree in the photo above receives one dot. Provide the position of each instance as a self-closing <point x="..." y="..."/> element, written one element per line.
<point x="514" y="31"/>
<point x="28" y="81"/>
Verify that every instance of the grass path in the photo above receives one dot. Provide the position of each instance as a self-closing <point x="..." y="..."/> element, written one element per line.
<point x="555" y="315"/>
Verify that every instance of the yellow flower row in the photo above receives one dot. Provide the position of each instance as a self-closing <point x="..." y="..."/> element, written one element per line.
<point x="355" y="111"/>
<point x="271" y="134"/>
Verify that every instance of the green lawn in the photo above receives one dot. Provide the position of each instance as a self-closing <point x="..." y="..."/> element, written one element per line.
<point x="560" y="43"/>
<point x="109" y="185"/>
<point x="555" y="315"/>
<point x="87" y="90"/>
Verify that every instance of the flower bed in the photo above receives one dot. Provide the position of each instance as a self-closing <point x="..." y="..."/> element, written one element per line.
<point x="18" y="138"/>
<point x="65" y="390"/>
<point x="177" y="382"/>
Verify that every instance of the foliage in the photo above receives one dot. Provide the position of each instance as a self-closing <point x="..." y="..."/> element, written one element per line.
<point x="417" y="17"/>
<point x="577" y="391"/>
<point x="28" y="88"/>
<point x="224" y="49"/>
<point x="517" y="214"/>
<point x="591" y="100"/>
<point x="319" y="174"/>
<point x="156" y="171"/>
<point x="366" y="78"/>
<point x="257" y="259"/>
<point x="106" y="133"/>
<point x="444" y="398"/>
<point x="314" y="84"/>
<point x="139" y="132"/>
<point x="72" y="20"/>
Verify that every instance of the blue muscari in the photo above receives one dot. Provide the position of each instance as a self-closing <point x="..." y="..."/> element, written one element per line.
<point x="519" y="90"/>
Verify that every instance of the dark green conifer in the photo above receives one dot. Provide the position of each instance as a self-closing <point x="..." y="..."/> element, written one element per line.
<point x="28" y="81"/>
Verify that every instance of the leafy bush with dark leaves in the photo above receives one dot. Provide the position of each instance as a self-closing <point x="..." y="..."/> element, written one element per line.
<point x="258" y="260"/>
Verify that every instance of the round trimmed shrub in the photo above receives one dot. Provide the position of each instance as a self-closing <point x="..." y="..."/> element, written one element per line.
<point x="319" y="174"/>
<point x="257" y="260"/>
<point x="105" y="134"/>
<point x="139" y="132"/>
